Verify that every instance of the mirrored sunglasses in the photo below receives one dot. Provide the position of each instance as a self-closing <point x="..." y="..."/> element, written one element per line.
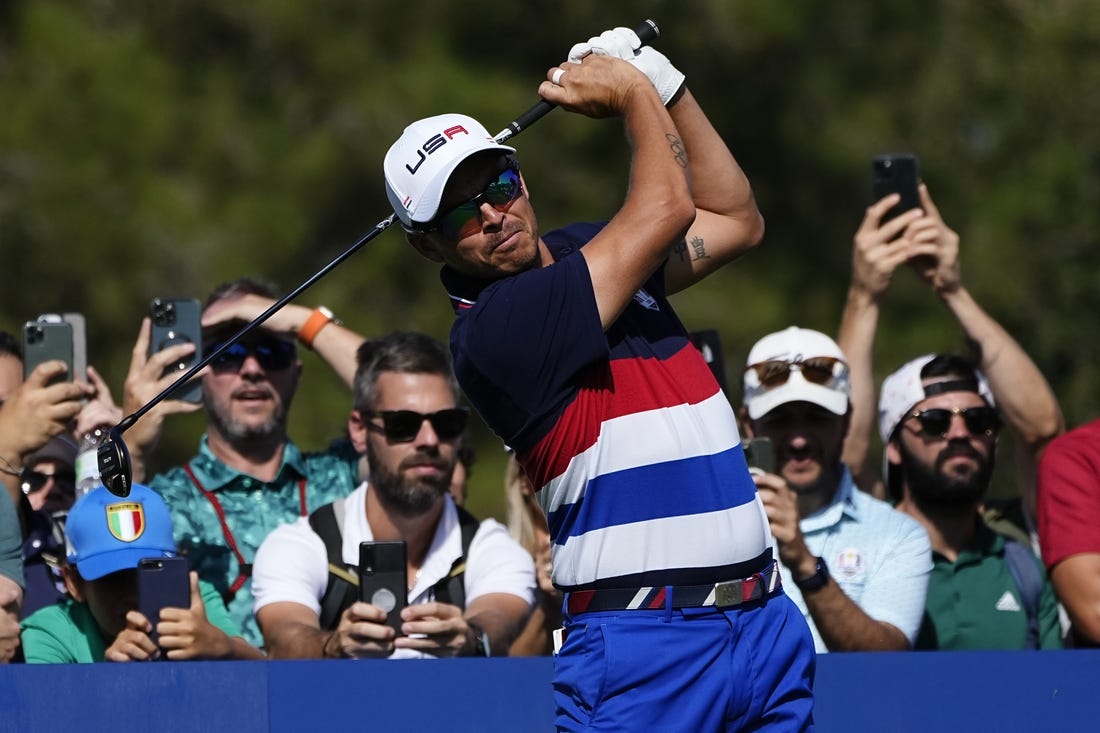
<point x="272" y="355"/>
<point x="775" y="373"/>
<point x="402" y="426"/>
<point x="936" y="422"/>
<point x="465" y="219"/>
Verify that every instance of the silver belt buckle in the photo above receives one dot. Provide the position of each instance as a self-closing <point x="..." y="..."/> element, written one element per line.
<point x="728" y="593"/>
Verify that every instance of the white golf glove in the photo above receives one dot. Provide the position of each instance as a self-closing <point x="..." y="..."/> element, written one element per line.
<point x="624" y="43"/>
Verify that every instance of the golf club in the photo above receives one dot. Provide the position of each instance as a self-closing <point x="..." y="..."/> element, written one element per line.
<point x="113" y="457"/>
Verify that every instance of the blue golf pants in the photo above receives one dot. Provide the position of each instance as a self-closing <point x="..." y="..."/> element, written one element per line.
<point x="745" y="668"/>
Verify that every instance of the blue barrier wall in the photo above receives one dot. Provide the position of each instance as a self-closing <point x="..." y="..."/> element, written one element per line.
<point x="948" y="691"/>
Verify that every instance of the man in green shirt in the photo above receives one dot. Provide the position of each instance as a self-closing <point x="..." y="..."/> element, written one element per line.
<point x="108" y="537"/>
<point x="939" y="424"/>
<point x="248" y="477"/>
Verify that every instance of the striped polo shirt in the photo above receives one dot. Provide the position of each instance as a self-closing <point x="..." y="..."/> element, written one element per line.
<point x="626" y="434"/>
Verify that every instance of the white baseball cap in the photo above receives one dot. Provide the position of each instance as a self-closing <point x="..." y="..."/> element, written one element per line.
<point x="419" y="164"/>
<point x="904" y="388"/>
<point x="796" y="345"/>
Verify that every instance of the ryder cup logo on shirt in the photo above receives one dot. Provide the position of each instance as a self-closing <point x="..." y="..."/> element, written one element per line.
<point x="849" y="563"/>
<point x="126" y="521"/>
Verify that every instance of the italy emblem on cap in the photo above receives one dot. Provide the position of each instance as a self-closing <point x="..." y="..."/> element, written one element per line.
<point x="126" y="521"/>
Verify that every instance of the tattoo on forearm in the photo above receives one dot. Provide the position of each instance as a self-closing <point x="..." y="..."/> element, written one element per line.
<point x="677" y="147"/>
<point x="680" y="250"/>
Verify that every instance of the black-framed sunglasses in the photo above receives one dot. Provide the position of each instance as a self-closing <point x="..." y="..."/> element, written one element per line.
<point x="32" y="481"/>
<point x="272" y="354"/>
<point x="936" y="422"/>
<point x="402" y="426"/>
<point x="465" y="219"/>
<point x="775" y="373"/>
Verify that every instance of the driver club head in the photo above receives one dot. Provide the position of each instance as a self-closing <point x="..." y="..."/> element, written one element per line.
<point x="115" y="470"/>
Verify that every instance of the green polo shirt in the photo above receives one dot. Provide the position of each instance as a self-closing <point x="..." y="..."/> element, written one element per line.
<point x="974" y="603"/>
<point x="66" y="633"/>
<point x="251" y="509"/>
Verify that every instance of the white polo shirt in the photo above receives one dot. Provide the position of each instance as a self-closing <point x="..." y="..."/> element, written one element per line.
<point x="292" y="564"/>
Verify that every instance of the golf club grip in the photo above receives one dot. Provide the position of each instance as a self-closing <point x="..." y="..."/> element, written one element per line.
<point x="647" y="31"/>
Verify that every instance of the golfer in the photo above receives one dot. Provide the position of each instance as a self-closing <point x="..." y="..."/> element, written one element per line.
<point x="566" y="344"/>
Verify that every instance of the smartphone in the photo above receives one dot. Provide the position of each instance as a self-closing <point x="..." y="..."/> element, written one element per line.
<point x="80" y="345"/>
<point x="162" y="583"/>
<point x="895" y="173"/>
<point x="178" y="321"/>
<point x="45" y="341"/>
<point x="760" y="454"/>
<point x="383" y="579"/>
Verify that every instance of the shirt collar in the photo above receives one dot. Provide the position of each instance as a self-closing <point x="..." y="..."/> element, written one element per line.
<point x="843" y="504"/>
<point x="215" y="475"/>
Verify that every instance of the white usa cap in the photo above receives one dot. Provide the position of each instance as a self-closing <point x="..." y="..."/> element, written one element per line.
<point x="796" y="344"/>
<point x="419" y="164"/>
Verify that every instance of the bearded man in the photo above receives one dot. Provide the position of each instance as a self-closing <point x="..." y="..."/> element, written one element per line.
<point x="469" y="585"/>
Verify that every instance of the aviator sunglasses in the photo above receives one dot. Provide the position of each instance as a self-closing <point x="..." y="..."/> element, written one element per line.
<point x="272" y="355"/>
<point x="816" y="370"/>
<point x="465" y="219"/>
<point x="936" y="422"/>
<point x="402" y="426"/>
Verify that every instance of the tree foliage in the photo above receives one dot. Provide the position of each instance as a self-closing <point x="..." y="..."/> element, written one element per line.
<point x="161" y="148"/>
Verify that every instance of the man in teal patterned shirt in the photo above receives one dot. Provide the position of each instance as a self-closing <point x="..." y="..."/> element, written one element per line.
<point x="248" y="477"/>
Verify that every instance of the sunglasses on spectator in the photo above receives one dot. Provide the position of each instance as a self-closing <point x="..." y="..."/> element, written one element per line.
<point x="272" y="355"/>
<point x="402" y="426"/>
<point x="775" y="373"/>
<point x="936" y="422"/>
<point x="32" y="481"/>
<point x="465" y="219"/>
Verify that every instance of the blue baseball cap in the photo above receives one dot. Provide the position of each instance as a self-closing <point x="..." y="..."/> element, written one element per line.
<point x="106" y="533"/>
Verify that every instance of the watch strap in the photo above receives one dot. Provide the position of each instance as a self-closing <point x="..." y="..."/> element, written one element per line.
<point x="817" y="581"/>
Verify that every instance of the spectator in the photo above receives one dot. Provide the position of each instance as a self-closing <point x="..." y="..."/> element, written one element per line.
<point x="32" y="412"/>
<point x="46" y="484"/>
<point x="527" y="525"/>
<point x="100" y="621"/>
<point x="11" y="580"/>
<point x="921" y="239"/>
<point x="407" y="421"/>
<point x="568" y="347"/>
<point x="49" y="482"/>
<point x="939" y="423"/>
<point x="248" y="476"/>
<point x="1069" y="526"/>
<point x="857" y="568"/>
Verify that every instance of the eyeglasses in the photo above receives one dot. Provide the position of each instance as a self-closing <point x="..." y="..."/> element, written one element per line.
<point x="817" y="370"/>
<point x="32" y="481"/>
<point x="402" y="426"/>
<point x="936" y="422"/>
<point x="272" y="354"/>
<point x="465" y="219"/>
